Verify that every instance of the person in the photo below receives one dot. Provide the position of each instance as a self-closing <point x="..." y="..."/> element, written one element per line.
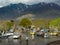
<point x="20" y="40"/>
<point x="27" y="40"/>
<point x="33" y="36"/>
<point x="33" y="32"/>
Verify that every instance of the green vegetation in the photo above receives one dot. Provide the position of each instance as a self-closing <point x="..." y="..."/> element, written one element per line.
<point x="41" y="23"/>
<point x="9" y="24"/>
<point x="55" y="23"/>
<point x="25" y="22"/>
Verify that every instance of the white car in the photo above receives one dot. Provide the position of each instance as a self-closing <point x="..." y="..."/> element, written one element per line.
<point x="8" y="34"/>
<point x="16" y="36"/>
<point x="46" y="35"/>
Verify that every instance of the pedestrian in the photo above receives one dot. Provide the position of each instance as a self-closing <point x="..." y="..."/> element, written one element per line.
<point x="27" y="40"/>
<point x="32" y="36"/>
<point x="20" y="39"/>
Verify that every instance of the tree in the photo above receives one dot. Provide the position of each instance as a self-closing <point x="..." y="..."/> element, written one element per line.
<point x="25" y="22"/>
<point x="41" y="23"/>
<point x="9" y="24"/>
<point x="55" y="23"/>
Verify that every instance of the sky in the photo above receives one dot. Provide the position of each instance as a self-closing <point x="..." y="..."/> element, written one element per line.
<point x="7" y="2"/>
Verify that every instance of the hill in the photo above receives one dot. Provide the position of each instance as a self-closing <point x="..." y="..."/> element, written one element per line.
<point x="40" y="10"/>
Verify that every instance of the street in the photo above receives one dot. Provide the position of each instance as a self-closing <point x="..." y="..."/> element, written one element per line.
<point x="36" y="41"/>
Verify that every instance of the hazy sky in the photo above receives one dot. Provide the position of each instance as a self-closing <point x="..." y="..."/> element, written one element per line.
<point x="7" y="2"/>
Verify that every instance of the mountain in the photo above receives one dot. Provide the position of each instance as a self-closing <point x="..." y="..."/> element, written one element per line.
<point x="40" y="10"/>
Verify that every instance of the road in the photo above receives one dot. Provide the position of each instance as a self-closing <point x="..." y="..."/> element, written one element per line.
<point x="36" y="41"/>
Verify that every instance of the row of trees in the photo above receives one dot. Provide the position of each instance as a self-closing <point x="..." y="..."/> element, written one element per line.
<point x="26" y="22"/>
<point x="55" y="23"/>
<point x="7" y="25"/>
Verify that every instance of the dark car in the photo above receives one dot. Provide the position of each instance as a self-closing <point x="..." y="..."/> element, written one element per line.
<point x="39" y="34"/>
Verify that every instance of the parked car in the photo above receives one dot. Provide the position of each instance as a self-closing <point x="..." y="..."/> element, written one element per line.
<point x="46" y="35"/>
<point x="6" y="35"/>
<point x="53" y="33"/>
<point x="42" y="33"/>
<point x="39" y="34"/>
<point x="16" y="36"/>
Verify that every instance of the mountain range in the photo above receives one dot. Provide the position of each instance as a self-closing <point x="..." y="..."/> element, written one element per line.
<point x="40" y="10"/>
